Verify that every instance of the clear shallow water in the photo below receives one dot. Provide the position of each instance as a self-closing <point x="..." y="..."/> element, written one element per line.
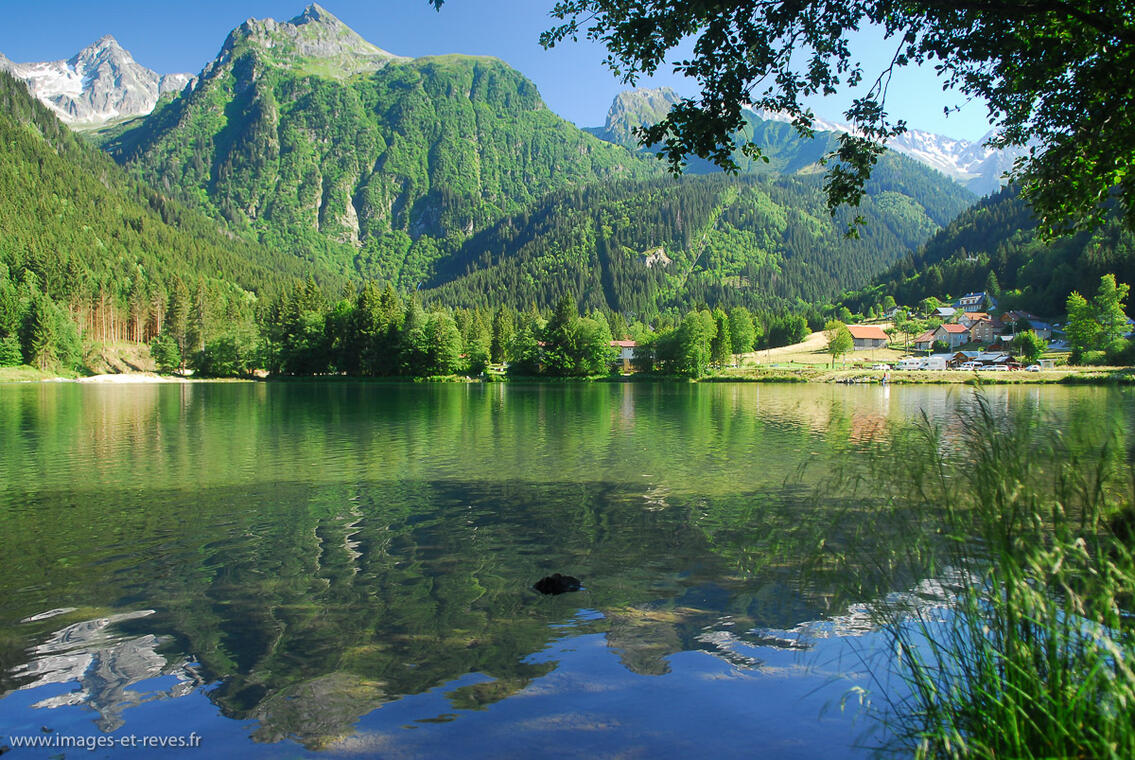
<point x="311" y="569"/>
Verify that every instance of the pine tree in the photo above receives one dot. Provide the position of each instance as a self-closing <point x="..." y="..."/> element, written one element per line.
<point x="10" y="354"/>
<point x="559" y="351"/>
<point x="368" y="332"/>
<point x="992" y="286"/>
<point x="39" y="349"/>
<point x="443" y="344"/>
<point x="164" y="351"/>
<point x="504" y="332"/>
<point x="414" y="347"/>
<point x="177" y="316"/>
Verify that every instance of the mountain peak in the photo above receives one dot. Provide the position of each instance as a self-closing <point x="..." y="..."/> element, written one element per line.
<point x="315" y="13"/>
<point x="314" y="42"/>
<point x="105" y="46"/>
<point x="636" y="108"/>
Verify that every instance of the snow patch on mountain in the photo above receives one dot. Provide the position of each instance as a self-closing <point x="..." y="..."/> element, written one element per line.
<point x="974" y="164"/>
<point x="100" y="83"/>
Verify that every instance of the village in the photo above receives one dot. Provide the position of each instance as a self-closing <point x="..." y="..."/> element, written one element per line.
<point x="970" y="335"/>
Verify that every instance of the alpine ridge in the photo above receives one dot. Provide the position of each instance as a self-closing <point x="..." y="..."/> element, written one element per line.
<point x="972" y="164"/>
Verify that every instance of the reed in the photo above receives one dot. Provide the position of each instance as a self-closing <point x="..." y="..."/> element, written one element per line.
<point x="1029" y="650"/>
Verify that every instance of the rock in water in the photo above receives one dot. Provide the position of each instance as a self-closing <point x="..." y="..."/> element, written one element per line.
<point x="557" y="584"/>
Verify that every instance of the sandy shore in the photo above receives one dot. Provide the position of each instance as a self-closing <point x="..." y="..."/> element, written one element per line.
<point x="122" y="379"/>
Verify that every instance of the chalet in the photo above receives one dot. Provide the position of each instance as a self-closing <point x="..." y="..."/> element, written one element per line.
<point x="945" y="312"/>
<point x="626" y="353"/>
<point x="867" y="337"/>
<point x="976" y="302"/>
<point x="953" y="335"/>
<point x="986" y="329"/>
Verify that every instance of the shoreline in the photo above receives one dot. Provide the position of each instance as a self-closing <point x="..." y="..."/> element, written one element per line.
<point x="1077" y="376"/>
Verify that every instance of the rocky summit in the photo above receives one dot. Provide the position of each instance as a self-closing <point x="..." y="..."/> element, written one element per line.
<point x="99" y="84"/>
<point x="314" y="42"/>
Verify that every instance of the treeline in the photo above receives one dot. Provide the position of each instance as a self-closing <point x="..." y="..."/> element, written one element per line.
<point x="994" y="246"/>
<point x="376" y="332"/>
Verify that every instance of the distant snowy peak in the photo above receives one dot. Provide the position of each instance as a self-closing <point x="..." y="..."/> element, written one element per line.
<point x="99" y="84"/>
<point x="973" y="164"/>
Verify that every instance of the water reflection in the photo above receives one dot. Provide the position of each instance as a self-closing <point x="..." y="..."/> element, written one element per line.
<point x="313" y="555"/>
<point x="102" y="664"/>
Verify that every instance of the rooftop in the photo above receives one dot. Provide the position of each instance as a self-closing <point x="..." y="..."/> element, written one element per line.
<point x="867" y="332"/>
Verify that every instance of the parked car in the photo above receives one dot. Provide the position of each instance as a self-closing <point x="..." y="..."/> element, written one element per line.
<point x="969" y="365"/>
<point x="1032" y="368"/>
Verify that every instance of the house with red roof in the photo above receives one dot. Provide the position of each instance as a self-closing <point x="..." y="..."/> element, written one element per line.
<point x="925" y="341"/>
<point x="953" y="335"/>
<point x="986" y="329"/>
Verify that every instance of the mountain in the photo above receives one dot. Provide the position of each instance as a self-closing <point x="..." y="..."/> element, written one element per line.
<point x="646" y="246"/>
<point x="632" y="109"/>
<point x="305" y="136"/>
<point x="99" y="84"/>
<point x="998" y="235"/>
<point x="85" y="244"/>
<point x="972" y="164"/>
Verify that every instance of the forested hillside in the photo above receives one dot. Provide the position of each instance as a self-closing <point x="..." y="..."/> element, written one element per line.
<point x="998" y="235"/>
<point x="87" y="247"/>
<point x="640" y="247"/>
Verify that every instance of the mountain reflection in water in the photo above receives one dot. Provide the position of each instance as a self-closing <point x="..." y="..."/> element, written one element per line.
<point x="336" y="565"/>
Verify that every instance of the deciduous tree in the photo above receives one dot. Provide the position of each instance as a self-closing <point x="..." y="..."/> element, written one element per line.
<point x="839" y="338"/>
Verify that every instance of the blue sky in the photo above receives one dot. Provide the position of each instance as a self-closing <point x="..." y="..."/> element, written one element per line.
<point x="170" y="37"/>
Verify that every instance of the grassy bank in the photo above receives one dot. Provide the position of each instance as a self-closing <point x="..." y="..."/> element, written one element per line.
<point x="1021" y="643"/>
<point x="812" y="373"/>
<point x="26" y="374"/>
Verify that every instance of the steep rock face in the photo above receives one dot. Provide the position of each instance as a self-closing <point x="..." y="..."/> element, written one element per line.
<point x="101" y="83"/>
<point x="635" y="108"/>
<point x="320" y="143"/>
<point x="973" y="164"/>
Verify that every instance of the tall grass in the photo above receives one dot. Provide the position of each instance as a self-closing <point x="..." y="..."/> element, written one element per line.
<point x="1029" y="535"/>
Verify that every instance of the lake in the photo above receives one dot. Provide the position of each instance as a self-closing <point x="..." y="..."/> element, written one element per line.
<point x="346" y="569"/>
